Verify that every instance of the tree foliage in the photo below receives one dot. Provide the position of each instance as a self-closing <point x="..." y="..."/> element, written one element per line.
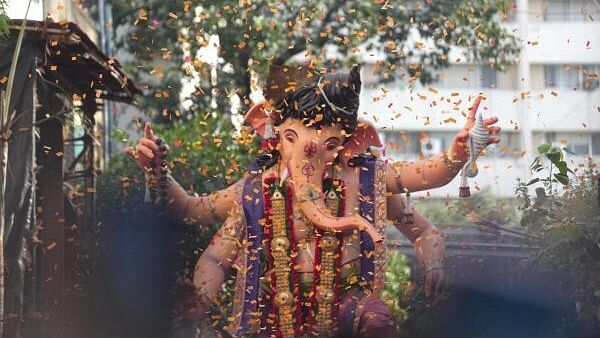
<point x="204" y="157"/>
<point x="565" y="230"/>
<point x="3" y="20"/>
<point x="413" y="37"/>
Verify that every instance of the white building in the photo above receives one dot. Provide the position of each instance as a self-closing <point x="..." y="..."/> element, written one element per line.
<point x="550" y="94"/>
<point x="57" y="11"/>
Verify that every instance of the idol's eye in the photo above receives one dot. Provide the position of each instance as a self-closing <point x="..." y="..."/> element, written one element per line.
<point x="332" y="145"/>
<point x="290" y="136"/>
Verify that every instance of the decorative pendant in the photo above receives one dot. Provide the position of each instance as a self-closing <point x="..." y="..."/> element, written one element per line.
<point x="326" y="273"/>
<point x="282" y="262"/>
<point x="464" y="190"/>
<point x="409" y="216"/>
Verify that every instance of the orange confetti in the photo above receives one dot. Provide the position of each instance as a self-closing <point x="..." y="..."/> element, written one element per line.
<point x="450" y="120"/>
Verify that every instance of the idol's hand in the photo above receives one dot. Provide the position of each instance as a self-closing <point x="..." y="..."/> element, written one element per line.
<point x="146" y="151"/>
<point x="432" y="254"/>
<point x="460" y="140"/>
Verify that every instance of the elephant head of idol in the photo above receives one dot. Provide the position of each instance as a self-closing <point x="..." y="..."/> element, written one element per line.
<point x="315" y="123"/>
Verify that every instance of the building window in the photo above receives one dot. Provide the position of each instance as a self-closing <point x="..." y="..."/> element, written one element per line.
<point x="568" y="10"/>
<point x="595" y="143"/>
<point x="487" y="77"/>
<point x="376" y="75"/>
<point x="410" y="145"/>
<point x="509" y="146"/>
<point x="471" y="76"/>
<point x="572" y="76"/>
<point x="401" y="144"/>
<point x="580" y="144"/>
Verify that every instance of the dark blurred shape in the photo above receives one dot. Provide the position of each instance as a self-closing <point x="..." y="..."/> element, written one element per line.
<point x="132" y="288"/>
<point x="493" y="292"/>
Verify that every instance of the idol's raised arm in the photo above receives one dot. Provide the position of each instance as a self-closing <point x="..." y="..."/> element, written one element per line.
<point x="198" y="210"/>
<point x="439" y="170"/>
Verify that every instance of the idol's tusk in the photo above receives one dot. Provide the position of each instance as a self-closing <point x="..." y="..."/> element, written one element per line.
<point x="283" y="175"/>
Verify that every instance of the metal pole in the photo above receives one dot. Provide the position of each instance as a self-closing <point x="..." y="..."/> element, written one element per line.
<point x="105" y="107"/>
<point x="524" y="85"/>
<point x="108" y="105"/>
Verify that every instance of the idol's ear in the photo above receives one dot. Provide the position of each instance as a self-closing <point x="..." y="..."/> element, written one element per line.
<point x="359" y="142"/>
<point x="257" y="118"/>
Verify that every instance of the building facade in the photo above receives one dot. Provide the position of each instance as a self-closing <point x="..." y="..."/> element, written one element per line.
<point x="551" y="93"/>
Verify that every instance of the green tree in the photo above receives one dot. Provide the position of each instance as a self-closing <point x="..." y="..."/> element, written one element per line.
<point x="204" y="157"/>
<point x="256" y="33"/>
<point x="3" y="21"/>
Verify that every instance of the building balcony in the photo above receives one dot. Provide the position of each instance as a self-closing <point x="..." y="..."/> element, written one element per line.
<point x="433" y="109"/>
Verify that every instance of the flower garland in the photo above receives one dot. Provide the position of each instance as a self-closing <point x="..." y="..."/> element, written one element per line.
<point x="282" y="246"/>
<point x="326" y="276"/>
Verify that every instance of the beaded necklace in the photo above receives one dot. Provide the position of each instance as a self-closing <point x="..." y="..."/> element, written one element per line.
<point x="283" y="251"/>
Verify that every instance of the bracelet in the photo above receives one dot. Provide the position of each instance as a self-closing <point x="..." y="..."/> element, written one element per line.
<point x="450" y="163"/>
<point x="397" y="166"/>
<point x="157" y="179"/>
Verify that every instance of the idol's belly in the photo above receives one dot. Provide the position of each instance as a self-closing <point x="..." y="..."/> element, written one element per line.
<point x="305" y="264"/>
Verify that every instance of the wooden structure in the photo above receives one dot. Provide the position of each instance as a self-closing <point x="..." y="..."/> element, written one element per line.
<point x="62" y="80"/>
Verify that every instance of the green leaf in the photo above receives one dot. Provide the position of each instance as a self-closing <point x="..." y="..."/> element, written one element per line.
<point x="562" y="167"/>
<point x="533" y="181"/>
<point x="554" y="156"/>
<point x="536" y="163"/>
<point x="543" y="148"/>
<point x="562" y="178"/>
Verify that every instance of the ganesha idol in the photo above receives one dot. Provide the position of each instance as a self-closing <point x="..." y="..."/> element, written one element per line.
<point x="304" y="229"/>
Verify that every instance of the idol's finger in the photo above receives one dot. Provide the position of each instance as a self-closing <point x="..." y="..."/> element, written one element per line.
<point x="473" y="109"/>
<point x="494" y="130"/>
<point x="494" y="140"/>
<point x="145" y="151"/>
<point x="129" y="152"/>
<point x="150" y="144"/>
<point x="490" y="120"/>
<point x="148" y="133"/>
